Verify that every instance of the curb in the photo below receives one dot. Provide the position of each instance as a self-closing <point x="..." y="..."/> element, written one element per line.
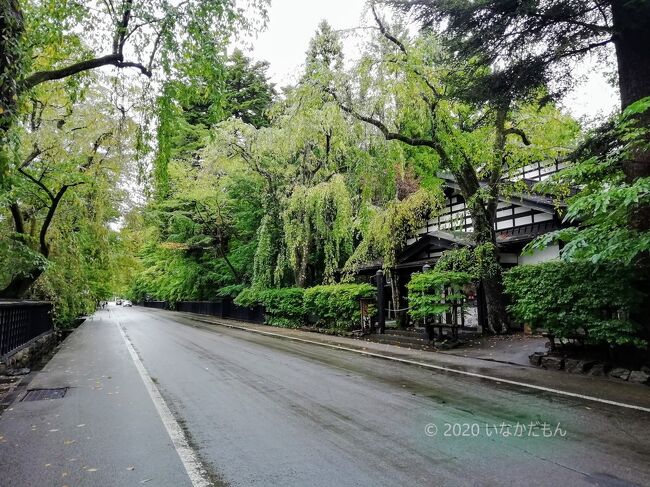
<point x="439" y="368"/>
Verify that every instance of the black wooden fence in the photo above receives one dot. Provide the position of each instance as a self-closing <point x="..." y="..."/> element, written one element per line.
<point x="21" y="322"/>
<point x="221" y="308"/>
<point x="156" y="304"/>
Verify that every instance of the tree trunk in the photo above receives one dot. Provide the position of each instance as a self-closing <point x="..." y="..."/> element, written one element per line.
<point x="483" y="216"/>
<point x="394" y="292"/>
<point x="301" y="271"/>
<point x="19" y="286"/>
<point x="491" y="275"/>
<point x="11" y="31"/>
<point x="632" y="26"/>
<point x="632" y="41"/>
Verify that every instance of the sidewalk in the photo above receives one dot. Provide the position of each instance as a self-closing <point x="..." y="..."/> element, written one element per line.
<point x="104" y="431"/>
<point x="561" y="383"/>
<point x="513" y="349"/>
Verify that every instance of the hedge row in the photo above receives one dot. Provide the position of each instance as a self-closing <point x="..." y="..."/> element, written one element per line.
<point x="283" y="307"/>
<point x="337" y="305"/>
<point x="571" y="299"/>
<point x="333" y="306"/>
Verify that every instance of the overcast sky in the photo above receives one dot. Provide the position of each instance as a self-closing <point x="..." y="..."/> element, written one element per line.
<point x="292" y="24"/>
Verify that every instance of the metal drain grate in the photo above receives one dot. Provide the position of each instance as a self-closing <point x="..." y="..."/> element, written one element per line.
<point x="42" y="394"/>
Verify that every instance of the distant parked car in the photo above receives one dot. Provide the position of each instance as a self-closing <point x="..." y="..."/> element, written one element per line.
<point x="118" y="301"/>
<point x="127" y="303"/>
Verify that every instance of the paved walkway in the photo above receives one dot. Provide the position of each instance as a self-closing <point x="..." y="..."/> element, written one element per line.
<point x="514" y="349"/>
<point x="105" y="431"/>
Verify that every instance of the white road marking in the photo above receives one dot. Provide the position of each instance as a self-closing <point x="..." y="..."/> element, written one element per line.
<point x="190" y="461"/>
<point x="435" y="367"/>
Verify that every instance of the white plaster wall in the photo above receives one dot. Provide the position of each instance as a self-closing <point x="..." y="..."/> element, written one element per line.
<point x="549" y="253"/>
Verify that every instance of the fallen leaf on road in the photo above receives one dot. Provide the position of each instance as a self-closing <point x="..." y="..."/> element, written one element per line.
<point x="145" y="481"/>
<point x="81" y="425"/>
<point x="69" y="442"/>
<point x="91" y="470"/>
<point x="130" y="467"/>
<point x="52" y="431"/>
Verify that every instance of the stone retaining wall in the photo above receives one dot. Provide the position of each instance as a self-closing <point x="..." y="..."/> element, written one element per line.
<point x="590" y="367"/>
<point x="32" y="353"/>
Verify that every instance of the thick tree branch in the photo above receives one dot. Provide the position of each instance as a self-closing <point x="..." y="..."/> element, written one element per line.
<point x="108" y="60"/>
<point x="121" y="31"/>
<point x="19" y="222"/>
<point x="400" y="45"/>
<point x="44" y="247"/>
<point x="388" y="134"/>
<point x="37" y="183"/>
<point x="519" y="132"/>
<point x="42" y="237"/>
<point x="385" y="32"/>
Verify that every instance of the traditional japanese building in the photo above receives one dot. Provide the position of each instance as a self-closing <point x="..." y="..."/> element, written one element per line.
<point x="521" y="217"/>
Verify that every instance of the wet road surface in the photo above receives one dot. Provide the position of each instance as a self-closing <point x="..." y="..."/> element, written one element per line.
<point x="259" y="410"/>
<point x="264" y="411"/>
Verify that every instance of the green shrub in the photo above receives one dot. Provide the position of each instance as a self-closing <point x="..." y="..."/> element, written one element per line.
<point x="230" y="291"/>
<point x="283" y="306"/>
<point x="570" y="298"/>
<point x="426" y="292"/>
<point x="337" y="305"/>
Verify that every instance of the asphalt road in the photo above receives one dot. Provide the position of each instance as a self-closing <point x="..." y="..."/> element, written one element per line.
<point x="264" y="411"/>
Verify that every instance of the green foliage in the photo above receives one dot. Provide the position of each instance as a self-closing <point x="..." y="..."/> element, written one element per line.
<point x="462" y="259"/>
<point x="536" y="41"/>
<point x="318" y="220"/>
<point x="54" y="220"/>
<point x="268" y="253"/>
<point x="204" y="224"/>
<point x="231" y="291"/>
<point x="389" y="229"/>
<point x="569" y="299"/>
<point x="476" y="262"/>
<point x="283" y="306"/>
<point x="249" y="94"/>
<point x="334" y="306"/>
<point x="337" y="305"/>
<point x="325" y="53"/>
<point x="434" y="292"/>
<point x="607" y="201"/>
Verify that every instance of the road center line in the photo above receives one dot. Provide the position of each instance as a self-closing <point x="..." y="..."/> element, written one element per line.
<point x="190" y="461"/>
<point x="434" y="367"/>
